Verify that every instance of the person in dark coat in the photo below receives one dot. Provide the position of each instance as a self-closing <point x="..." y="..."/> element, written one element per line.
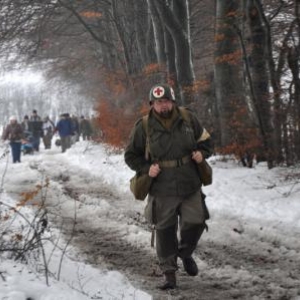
<point x="25" y="124"/>
<point x="36" y="129"/>
<point x="85" y="128"/>
<point x="14" y="133"/>
<point x="175" y="200"/>
<point x="65" y="130"/>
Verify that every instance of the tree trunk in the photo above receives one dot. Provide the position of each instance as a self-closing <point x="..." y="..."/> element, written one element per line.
<point x="296" y="78"/>
<point x="293" y="62"/>
<point x="228" y="70"/>
<point x="121" y="32"/>
<point x="181" y="39"/>
<point x="260" y="78"/>
<point x="150" y="42"/>
<point x="140" y="24"/>
<point x="275" y="76"/>
<point x="158" y="29"/>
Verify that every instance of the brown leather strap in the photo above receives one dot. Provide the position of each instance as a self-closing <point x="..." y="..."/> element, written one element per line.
<point x="175" y="163"/>
<point x="152" y="236"/>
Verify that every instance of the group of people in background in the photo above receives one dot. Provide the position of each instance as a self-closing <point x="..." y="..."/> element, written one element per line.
<point x="70" y="129"/>
<point x="26" y="136"/>
<point x="34" y="128"/>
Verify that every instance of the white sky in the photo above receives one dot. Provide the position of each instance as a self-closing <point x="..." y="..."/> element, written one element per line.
<point x="253" y="209"/>
<point x="21" y="77"/>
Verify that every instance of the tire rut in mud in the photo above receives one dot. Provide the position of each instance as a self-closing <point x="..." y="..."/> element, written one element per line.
<point x="261" y="266"/>
<point x="107" y="247"/>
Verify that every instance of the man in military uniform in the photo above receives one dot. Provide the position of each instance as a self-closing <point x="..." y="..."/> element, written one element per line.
<point x="175" y="148"/>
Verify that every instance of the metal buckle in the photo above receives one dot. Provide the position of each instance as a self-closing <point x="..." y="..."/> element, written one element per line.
<point x="179" y="162"/>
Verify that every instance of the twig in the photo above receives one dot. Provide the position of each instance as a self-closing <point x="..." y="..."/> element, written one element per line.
<point x="2" y="276"/>
<point x="68" y="242"/>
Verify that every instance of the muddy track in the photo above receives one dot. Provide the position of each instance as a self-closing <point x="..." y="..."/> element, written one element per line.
<point x="107" y="246"/>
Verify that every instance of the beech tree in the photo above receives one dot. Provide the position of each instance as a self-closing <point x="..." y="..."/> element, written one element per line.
<point x="260" y="78"/>
<point x="272" y="36"/>
<point x="228" y="69"/>
<point x="174" y="15"/>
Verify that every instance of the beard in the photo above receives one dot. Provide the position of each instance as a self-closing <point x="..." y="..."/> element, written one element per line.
<point x="165" y="114"/>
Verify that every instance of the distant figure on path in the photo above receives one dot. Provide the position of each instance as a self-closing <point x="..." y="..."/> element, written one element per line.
<point x="48" y="130"/>
<point x="65" y="131"/>
<point x="36" y="129"/>
<point x="14" y="133"/>
<point x="85" y="128"/>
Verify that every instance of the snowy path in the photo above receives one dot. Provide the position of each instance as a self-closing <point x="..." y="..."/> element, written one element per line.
<point x="116" y="237"/>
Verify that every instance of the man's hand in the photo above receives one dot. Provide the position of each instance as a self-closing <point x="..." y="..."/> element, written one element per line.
<point x="197" y="157"/>
<point x="154" y="170"/>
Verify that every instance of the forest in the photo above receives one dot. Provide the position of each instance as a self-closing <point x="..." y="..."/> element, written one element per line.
<point x="235" y="63"/>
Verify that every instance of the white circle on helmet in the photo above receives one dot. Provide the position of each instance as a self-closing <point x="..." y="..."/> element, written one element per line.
<point x="158" y="92"/>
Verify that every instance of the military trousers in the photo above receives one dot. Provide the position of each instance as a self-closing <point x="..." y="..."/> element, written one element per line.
<point x="179" y="223"/>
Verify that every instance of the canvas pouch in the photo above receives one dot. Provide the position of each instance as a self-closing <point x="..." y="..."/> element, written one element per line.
<point x="205" y="172"/>
<point x="140" y="185"/>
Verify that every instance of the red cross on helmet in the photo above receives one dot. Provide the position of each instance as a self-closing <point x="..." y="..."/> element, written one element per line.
<point x="160" y="91"/>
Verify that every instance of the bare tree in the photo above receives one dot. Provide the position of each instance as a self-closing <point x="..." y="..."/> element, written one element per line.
<point x="175" y="17"/>
<point x="229" y="81"/>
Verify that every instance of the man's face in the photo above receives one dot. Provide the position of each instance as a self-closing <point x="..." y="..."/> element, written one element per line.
<point x="163" y="107"/>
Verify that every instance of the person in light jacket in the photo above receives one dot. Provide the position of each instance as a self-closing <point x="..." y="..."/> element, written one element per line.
<point x="48" y="129"/>
<point x="14" y="134"/>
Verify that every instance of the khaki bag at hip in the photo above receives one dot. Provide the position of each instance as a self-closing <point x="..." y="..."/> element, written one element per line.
<point x="205" y="172"/>
<point x="140" y="185"/>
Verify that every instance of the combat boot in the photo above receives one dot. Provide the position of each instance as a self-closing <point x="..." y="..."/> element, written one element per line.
<point x="190" y="266"/>
<point x="170" y="281"/>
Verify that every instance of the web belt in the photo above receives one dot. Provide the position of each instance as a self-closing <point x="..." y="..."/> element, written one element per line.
<point x="175" y="163"/>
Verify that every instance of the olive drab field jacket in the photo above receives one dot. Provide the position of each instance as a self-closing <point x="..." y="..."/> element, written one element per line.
<point x="171" y="147"/>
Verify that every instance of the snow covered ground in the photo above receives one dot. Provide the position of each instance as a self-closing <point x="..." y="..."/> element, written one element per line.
<point x="256" y="210"/>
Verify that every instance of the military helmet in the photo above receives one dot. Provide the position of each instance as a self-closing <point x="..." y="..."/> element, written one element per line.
<point x="160" y="91"/>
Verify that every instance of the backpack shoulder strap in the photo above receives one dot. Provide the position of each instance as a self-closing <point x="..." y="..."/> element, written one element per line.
<point x="146" y="128"/>
<point x="145" y="124"/>
<point x="185" y="114"/>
